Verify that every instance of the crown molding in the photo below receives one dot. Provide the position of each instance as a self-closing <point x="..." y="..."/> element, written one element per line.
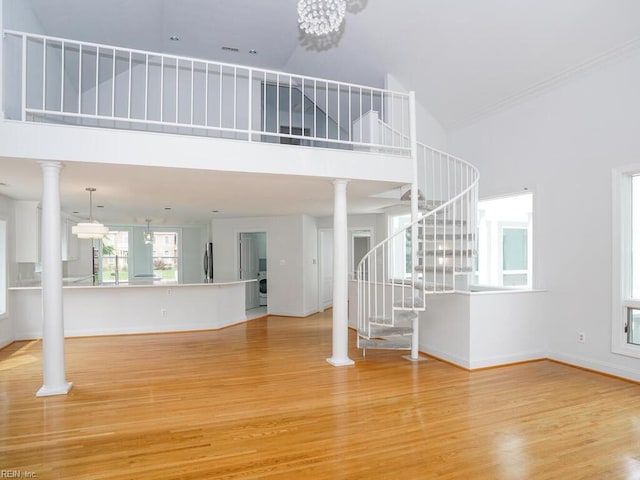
<point x="625" y="50"/>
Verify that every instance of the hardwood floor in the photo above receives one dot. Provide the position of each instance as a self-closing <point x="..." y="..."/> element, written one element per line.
<point x="259" y="401"/>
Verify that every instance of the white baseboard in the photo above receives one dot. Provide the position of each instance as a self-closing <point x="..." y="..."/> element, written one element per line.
<point x="483" y="362"/>
<point x="447" y="357"/>
<point x="596" y="366"/>
<point x="507" y="359"/>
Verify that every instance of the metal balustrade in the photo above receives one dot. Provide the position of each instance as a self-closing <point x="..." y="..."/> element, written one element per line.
<point x="424" y="257"/>
<point x="52" y="79"/>
<point x="56" y="80"/>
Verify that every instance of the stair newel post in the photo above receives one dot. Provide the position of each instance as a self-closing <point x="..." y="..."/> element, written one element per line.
<point x="414" y="216"/>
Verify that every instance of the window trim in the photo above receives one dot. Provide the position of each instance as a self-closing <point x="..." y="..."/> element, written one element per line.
<point x="398" y="257"/>
<point x="101" y="256"/>
<point x="621" y="271"/>
<point x="4" y="267"/>
<point x="499" y="249"/>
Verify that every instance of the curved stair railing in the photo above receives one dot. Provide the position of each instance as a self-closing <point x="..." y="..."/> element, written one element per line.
<point x="395" y="277"/>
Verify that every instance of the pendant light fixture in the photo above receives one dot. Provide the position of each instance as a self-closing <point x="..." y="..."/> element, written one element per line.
<point x="148" y="235"/>
<point x="91" y="229"/>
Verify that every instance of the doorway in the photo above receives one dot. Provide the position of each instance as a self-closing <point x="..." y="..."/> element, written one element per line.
<point x="325" y="270"/>
<point x="360" y="246"/>
<point x="253" y="265"/>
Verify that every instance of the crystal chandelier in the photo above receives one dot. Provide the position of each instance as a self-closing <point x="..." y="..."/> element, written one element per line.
<point x="320" y="17"/>
<point x="92" y="228"/>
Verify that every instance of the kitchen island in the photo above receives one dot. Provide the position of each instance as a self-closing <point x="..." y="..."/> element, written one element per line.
<point x="132" y="308"/>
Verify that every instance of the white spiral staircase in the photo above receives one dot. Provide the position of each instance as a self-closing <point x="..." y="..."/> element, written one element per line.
<point x="433" y="254"/>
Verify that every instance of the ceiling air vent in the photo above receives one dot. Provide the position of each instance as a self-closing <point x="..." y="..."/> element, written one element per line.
<point x="231" y="49"/>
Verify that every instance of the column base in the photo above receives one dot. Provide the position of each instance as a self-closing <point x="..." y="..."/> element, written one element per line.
<point x="411" y="359"/>
<point x="58" y="390"/>
<point x="340" y="362"/>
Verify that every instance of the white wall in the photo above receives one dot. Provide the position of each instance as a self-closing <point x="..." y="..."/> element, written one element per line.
<point x="563" y="145"/>
<point x="290" y="252"/>
<point x="429" y="130"/>
<point x="478" y="330"/>
<point x="18" y="15"/>
<point x="6" y="214"/>
<point x="444" y="328"/>
<point x="310" y="263"/>
<point x="375" y="222"/>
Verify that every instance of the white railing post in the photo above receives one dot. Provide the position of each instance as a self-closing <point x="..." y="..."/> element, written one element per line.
<point x="23" y="109"/>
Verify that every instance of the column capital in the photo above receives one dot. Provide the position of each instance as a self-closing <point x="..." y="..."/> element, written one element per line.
<point x="45" y="164"/>
<point x="340" y="181"/>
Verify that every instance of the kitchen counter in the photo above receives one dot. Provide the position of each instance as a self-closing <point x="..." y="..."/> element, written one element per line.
<point x="35" y="285"/>
<point x="129" y="309"/>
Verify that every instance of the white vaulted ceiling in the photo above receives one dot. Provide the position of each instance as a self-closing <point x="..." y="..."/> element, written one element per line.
<point x="463" y="58"/>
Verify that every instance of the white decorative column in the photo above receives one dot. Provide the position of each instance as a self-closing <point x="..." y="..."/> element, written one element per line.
<point x="415" y="215"/>
<point x="340" y="355"/>
<point x="52" y="322"/>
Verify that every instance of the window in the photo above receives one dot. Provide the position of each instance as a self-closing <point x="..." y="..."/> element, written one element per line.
<point x="515" y="259"/>
<point x="625" y="333"/>
<point x="505" y="229"/>
<point x="125" y="258"/>
<point x="165" y="265"/>
<point x="114" y="266"/>
<point x="3" y="267"/>
<point x="400" y="247"/>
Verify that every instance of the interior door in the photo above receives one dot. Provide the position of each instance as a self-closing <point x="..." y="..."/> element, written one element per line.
<point x="249" y="268"/>
<point x="326" y="268"/>
<point x="360" y="246"/>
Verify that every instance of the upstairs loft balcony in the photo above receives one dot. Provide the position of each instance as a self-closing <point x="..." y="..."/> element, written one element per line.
<point x="55" y="80"/>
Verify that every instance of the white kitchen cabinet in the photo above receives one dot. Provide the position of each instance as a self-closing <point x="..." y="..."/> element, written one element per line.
<point x="27" y="217"/>
<point x="28" y="232"/>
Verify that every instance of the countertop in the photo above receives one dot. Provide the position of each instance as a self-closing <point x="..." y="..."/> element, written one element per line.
<point x="71" y="285"/>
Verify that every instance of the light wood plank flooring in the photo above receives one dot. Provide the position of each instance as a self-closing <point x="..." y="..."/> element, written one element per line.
<point x="259" y="401"/>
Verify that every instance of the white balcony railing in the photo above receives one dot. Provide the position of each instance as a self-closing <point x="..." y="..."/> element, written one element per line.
<point x="50" y="79"/>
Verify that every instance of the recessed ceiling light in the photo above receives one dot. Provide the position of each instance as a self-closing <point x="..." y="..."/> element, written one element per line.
<point x="99" y="206"/>
<point x="215" y="211"/>
<point x="253" y="52"/>
<point x="75" y="213"/>
<point x="167" y="208"/>
<point x="230" y="49"/>
<point x="174" y="38"/>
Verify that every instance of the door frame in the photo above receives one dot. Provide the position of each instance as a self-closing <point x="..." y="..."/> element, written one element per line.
<point x="238" y="248"/>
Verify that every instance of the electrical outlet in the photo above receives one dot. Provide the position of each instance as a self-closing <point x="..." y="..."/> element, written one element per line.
<point x="163" y="312"/>
<point x="581" y="337"/>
